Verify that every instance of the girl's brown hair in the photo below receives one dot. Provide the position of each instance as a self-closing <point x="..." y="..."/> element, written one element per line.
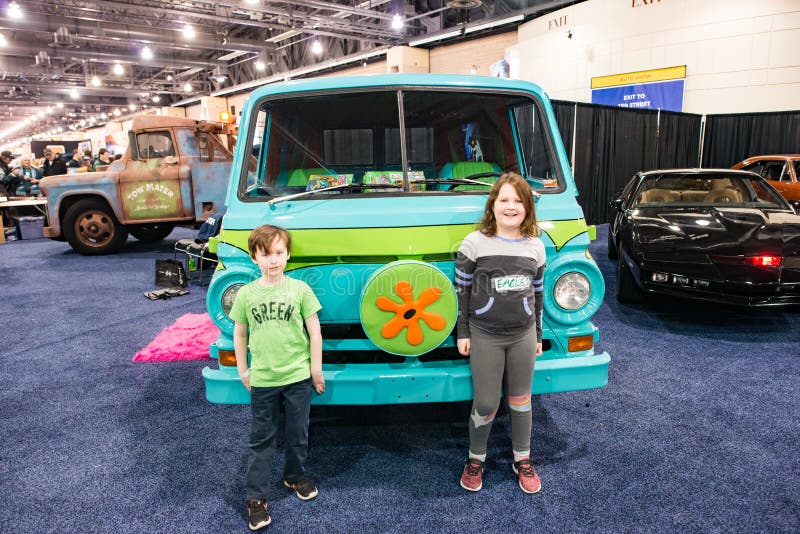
<point x="528" y="228"/>
<point x="263" y="237"/>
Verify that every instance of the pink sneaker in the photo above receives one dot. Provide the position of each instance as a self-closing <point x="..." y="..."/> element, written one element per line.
<point x="529" y="479"/>
<point x="472" y="477"/>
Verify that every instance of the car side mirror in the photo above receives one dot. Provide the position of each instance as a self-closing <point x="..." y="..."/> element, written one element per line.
<point x="796" y="205"/>
<point x="616" y="204"/>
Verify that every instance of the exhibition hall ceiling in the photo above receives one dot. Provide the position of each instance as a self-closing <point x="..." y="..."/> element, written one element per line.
<point x="62" y="61"/>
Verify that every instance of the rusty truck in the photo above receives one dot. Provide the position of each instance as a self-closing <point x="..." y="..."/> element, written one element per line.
<point x="175" y="171"/>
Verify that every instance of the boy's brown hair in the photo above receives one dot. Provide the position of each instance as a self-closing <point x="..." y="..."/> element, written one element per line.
<point x="264" y="236"/>
<point x="528" y="228"/>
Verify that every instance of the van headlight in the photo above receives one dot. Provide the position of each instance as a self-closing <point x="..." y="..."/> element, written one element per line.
<point x="228" y="296"/>
<point x="572" y="290"/>
<point x="222" y="292"/>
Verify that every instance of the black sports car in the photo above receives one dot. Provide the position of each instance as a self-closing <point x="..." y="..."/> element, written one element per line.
<point x="712" y="234"/>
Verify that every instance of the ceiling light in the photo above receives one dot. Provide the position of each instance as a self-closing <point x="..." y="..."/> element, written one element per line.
<point x="398" y="22"/>
<point x="118" y="70"/>
<point x="14" y="11"/>
<point x="104" y="116"/>
<point x="156" y="99"/>
<point x="40" y="115"/>
<point x="147" y="53"/>
<point x="60" y="105"/>
<point x="169" y="77"/>
<point x="74" y="94"/>
<point x="82" y="122"/>
<point x="435" y="37"/>
<point x="260" y="66"/>
<point x="316" y="48"/>
<point x="493" y="23"/>
<point x="188" y="32"/>
<point x="251" y="2"/>
<point x="117" y="112"/>
<point x="132" y="107"/>
<point x="187" y="87"/>
<point x="219" y="75"/>
<point x="3" y="41"/>
<point x="48" y="109"/>
<point x="96" y="81"/>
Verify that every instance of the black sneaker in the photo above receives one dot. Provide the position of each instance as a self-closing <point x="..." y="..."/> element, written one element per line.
<point x="304" y="488"/>
<point x="258" y="514"/>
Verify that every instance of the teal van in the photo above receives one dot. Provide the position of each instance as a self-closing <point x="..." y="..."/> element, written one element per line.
<point x="378" y="179"/>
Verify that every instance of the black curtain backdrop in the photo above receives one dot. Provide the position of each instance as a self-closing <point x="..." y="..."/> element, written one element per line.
<point x="612" y="144"/>
<point x="729" y="139"/>
<point x="565" y="117"/>
<point x="678" y="140"/>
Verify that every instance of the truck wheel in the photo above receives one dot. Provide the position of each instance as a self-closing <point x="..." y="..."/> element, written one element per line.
<point x="149" y="233"/>
<point x="91" y="228"/>
<point x="627" y="290"/>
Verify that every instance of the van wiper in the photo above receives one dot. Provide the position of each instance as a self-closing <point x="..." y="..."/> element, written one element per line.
<point x="340" y="187"/>
<point x="452" y="182"/>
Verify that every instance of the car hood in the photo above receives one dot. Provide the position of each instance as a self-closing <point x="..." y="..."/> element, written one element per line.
<point x="717" y="231"/>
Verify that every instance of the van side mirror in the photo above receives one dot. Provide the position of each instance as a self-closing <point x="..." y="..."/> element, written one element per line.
<point x="616" y="204"/>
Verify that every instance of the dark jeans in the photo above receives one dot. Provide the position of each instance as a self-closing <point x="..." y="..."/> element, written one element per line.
<point x="265" y="405"/>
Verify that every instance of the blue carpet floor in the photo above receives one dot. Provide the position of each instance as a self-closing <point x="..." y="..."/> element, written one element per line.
<point x="697" y="430"/>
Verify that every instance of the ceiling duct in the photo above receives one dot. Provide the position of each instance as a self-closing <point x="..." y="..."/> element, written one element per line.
<point x="42" y="59"/>
<point x="464" y="4"/>
<point x="63" y="39"/>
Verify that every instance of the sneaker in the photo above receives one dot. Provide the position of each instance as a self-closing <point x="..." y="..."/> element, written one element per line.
<point x="304" y="488"/>
<point x="529" y="479"/>
<point x="258" y="514"/>
<point x="472" y="477"/>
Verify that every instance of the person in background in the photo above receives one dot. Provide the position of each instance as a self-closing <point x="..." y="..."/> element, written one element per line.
<point x="76" y="161"/>
<point x="10" y="178"/>
<point x="498" y="278"/>
<point x="88" y="154"/>
<point x="103" y="158"/>
<point x="31" y="176"/>
<point x="53" y="165"/>
<point x="271" y="317"/>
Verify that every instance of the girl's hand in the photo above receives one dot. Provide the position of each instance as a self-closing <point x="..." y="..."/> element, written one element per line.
<point x="318" y="381"/>
<point x="539" y="349"/>
<point x="463" y="346"/>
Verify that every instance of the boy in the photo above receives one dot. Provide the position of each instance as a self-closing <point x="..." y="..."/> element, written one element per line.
<point x="285" y="364"/>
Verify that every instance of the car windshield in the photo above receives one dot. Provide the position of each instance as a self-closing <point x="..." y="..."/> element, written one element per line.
<point x="354" y="140"/>
<point x="797" y="168"/>
<point x="706" y="189"/>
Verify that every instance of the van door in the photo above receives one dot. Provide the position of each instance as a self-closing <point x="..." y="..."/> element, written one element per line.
<point x="150" y="186"/>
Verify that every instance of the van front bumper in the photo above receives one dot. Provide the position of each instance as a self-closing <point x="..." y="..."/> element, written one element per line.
<point x="416" y="382"/>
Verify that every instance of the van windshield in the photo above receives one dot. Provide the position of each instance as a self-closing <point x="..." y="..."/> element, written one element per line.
<point x="409" y="141"/>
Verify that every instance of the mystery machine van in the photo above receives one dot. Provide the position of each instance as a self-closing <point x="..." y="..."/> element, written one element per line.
<point x="379" y="179"/>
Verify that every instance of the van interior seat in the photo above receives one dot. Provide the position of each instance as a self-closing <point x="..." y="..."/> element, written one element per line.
<point x="462" y="169"/>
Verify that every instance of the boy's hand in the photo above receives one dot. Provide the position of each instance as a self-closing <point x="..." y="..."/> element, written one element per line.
<point x="318" y="381"/>
<point x="539" y="348"/>
<point x="246" y="381"/>
<point x="463" y="346"/>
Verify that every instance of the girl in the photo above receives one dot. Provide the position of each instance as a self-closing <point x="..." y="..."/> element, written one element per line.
<point x="499" y="272"/>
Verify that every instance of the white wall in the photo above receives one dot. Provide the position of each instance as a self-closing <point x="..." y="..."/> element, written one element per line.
<point x="740" y="55"/>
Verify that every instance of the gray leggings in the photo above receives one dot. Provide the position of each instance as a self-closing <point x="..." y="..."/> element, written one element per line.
<point x="501" y="361"/>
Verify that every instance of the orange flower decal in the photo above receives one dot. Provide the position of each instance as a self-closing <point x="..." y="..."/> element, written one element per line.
<point x="410" y="312"/>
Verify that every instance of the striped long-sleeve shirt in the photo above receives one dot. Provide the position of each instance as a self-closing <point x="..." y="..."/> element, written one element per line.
<point x="499" y="284"/>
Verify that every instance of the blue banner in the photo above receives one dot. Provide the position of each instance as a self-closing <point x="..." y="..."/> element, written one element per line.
<point x="657" y="95"/>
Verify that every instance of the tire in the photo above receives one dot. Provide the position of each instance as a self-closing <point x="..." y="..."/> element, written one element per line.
<point x="91" y="228"/>
<point x="149" y="233"/>
<point x="627" y="290"/>
<point x="612" y="249"/>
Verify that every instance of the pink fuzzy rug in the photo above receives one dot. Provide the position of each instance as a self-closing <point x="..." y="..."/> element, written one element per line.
<point x="187" y="339"/>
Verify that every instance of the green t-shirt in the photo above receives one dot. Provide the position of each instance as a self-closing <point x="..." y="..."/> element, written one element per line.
<point x="280" y="351"/>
